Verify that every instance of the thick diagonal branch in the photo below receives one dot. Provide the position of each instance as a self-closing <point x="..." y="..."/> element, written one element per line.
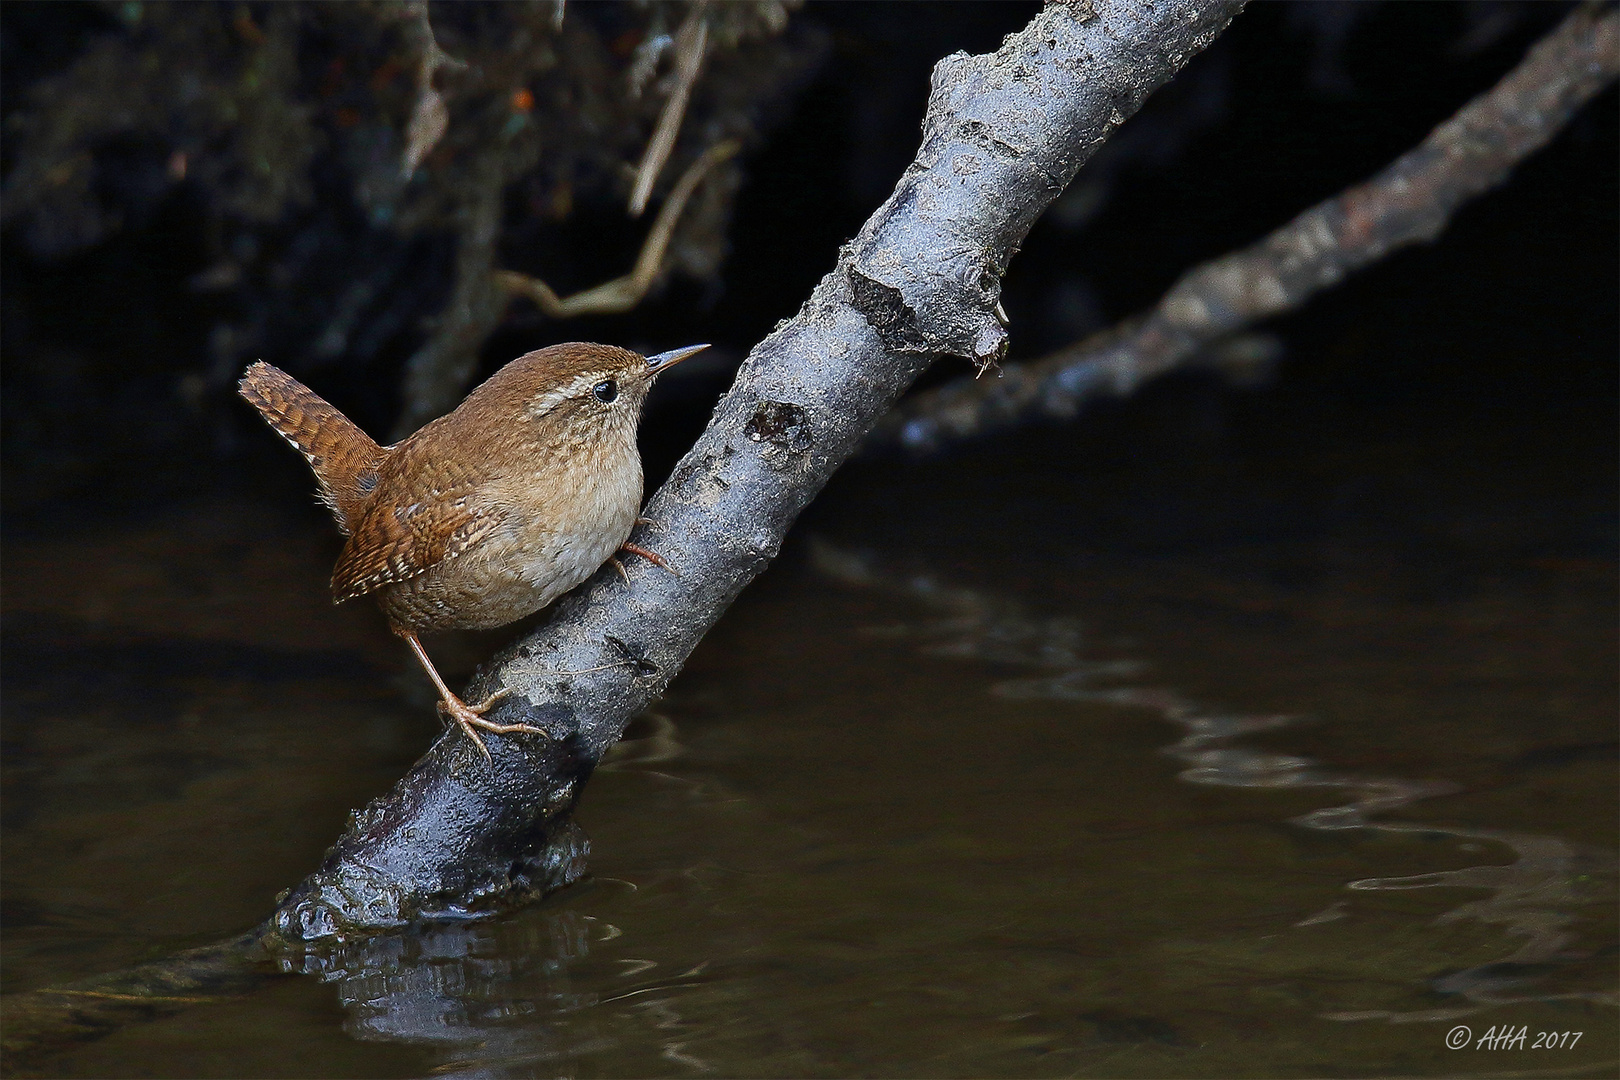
<point x="1410" y="201"/>
<point x="1003" y="134"/>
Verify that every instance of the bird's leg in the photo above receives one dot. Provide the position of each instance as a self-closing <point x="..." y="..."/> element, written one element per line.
<point x="468" y="716"/>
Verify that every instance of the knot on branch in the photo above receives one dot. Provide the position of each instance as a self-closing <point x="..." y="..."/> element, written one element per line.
<point x="782" y="424"/>
<point x="951" y="317"/>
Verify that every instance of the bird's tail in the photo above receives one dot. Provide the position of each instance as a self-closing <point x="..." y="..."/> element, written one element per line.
<point x="344" y="457"/>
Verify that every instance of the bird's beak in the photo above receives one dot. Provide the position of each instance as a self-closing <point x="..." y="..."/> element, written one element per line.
<point x="657" y="365"/>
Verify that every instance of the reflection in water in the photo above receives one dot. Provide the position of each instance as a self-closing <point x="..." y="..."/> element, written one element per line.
<point x="542" y="991"/>
<point x="496" y="996"/>
<point x="1529" y="897"/>
<point x="844" y="862"/>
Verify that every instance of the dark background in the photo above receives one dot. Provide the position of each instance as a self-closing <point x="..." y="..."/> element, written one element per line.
<point x="1404" y="539"/>
<point x="1501" y="334"/>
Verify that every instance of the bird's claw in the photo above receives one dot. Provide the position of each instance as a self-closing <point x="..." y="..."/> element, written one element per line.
<point x="651" y="556"/>
<point x="469" y="717"/>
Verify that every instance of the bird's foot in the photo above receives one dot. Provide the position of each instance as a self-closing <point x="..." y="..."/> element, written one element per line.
<point x="470" y="717"/>
<point x="650" y="556"/>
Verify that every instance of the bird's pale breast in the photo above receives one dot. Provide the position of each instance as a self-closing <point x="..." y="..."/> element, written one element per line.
<point x="542" y="548"/>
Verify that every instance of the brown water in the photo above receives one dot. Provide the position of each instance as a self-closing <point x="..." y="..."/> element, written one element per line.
<point x="983" y="800"/>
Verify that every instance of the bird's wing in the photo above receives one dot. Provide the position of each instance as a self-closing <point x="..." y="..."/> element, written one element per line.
<point x="399" y="540"/>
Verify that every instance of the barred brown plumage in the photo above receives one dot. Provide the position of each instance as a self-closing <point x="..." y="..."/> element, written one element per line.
<point x="489" y="513"/>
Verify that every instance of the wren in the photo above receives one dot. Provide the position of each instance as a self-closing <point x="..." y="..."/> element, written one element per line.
<point x="489" y="513"/>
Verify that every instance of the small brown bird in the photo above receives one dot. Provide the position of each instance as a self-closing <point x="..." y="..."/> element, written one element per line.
<point x="490" y="513"/>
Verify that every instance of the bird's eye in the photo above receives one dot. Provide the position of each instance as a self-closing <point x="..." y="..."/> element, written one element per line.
<point x="606" y="391"/>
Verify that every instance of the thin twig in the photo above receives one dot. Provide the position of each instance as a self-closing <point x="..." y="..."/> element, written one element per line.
<point x="623" y="293"/>
<point x="691" y="42"/>
<point x="431" y="117"/>
<point x="1410" y="201"/>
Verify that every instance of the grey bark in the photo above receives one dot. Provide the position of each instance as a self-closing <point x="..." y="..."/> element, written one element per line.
<point x="1004" y="132"/>
<point x="1411" y="201"/>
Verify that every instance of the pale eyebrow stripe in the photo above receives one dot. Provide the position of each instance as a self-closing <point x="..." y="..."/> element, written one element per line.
<point x="576" y="386"/>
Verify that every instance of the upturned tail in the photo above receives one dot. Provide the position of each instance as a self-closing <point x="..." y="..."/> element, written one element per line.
<point x="344" y="457"/>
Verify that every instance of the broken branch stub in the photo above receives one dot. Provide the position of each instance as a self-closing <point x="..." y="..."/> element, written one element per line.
<point x="1410" y="201"/>
<point x="458" y="835"/>
<point x="1014" y="125"/>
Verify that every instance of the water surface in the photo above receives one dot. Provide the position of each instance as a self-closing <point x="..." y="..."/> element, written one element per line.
<point x="1104" y="778"/>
